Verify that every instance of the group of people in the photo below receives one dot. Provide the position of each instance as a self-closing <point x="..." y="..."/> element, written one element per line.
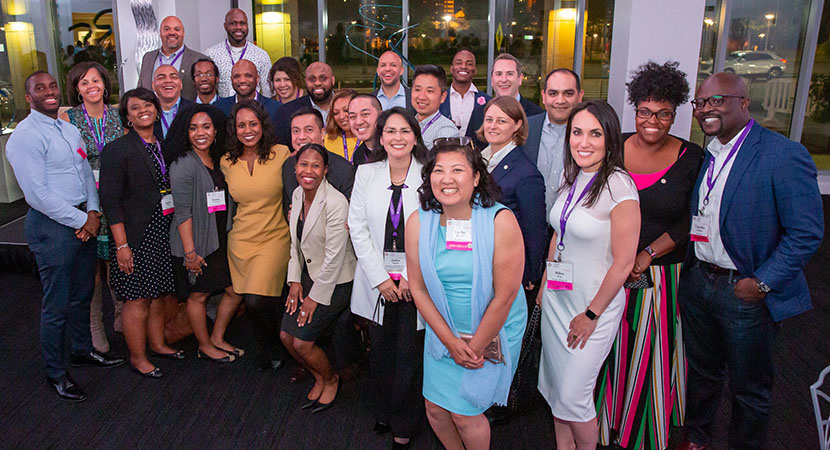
<point x="433" y="217"/>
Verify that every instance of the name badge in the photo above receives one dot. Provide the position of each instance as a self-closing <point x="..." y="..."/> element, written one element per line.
<point x="97" y="175"/>
<point x="560" y="276"/>
<point x="216" y="201"/>
<point x="167" y="204"/>
<point x="394" y="263"/>
<point x="459" y="235"/>
<point x="81" y="152"/>
<point x="700" y="228"/>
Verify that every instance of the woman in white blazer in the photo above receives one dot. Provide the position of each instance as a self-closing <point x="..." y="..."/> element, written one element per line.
<point x="385" y="193"/>
<point x="320" y="271"/>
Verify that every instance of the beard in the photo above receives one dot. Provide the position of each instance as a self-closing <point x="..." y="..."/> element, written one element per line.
<point x="321" y="97"/>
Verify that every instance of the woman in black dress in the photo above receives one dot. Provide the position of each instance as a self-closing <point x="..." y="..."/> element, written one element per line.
<point x="199" y="235"/>
<point x="135" y="192"/>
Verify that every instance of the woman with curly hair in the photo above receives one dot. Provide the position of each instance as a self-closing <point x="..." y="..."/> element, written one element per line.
<point x="642" y="385"/>
<point x="258" y="243"/>
<point x="286" y="79"/>
<point x="339" y="137"/>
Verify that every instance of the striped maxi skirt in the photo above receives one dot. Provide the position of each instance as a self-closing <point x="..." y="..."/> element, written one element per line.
<point x="641" y="390"/>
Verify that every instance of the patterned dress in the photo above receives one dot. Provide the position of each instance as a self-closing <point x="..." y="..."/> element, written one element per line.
<point x="104" y="131"/>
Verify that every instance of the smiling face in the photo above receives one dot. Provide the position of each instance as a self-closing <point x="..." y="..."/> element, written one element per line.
<point x="205" y="78"/>
<point x="587" y="141"/>
<point x="560" y="96"/>
<point x="167" y="84"/>
<point x="653" y="130"/>
<point x="499" y="128"/>
<point x="310" y="170"/>
<point x="201" y="132"/>
<point x="397" y="137"/>
<point x="91" y="86"/>
<point x="506" y="78"/>
<point x="463" y="67"/>
<point x="319" y="82"/>
<point x="305" y="130"/>
<point x="390" y="69"/>
<point x="283" y="85"/>
<point x="141" y="113"/>
<point x="236" y="25"/>
<point x="172" y="34"/>
<point x="362" y="118"/>
<point x="244" y="78"/>
<point x="452" y="179"/>
<point x="340" y="112"/>
<point x="248" y="128"/>
<point x="43" y="94"/>
<point x="427" y="95"/>
<point x="725" y="120"/>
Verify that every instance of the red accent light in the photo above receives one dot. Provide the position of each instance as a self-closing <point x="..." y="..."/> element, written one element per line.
<point x="784" y="61"/>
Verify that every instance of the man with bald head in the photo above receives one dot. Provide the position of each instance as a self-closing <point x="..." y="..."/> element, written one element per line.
<point x="172" y="52"/>
<point x="244" y="79"/>
<point x="319" y="82"/>
<point x="237" y="47"/>
<point x="391" y="92"/>
<point x="756" y="221"/>
<point x="168" y="88"/>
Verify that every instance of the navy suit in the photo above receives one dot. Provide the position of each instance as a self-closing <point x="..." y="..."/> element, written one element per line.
<point x="534" y="136"/>
<point x="523" y="191"/>
<point x="531" y="109"/>
<point x="273" y="108"/>
<point x="476" y="118"/>
<point x="158" y="132"/>
<point x="771" y="223"/>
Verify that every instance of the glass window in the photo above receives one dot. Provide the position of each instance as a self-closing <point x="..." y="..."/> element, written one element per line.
<point x="596" y="55"/>
<point x="287" y="28"/>
<point x="816" y="132"/>
<point x="519" y="32"/>
<point x="708" y="48"/>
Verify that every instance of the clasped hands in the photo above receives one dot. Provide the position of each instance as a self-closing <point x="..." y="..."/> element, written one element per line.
<point x="464" y="355"/>
<point x="392" y="293"/>
<point x="91" y="226"/>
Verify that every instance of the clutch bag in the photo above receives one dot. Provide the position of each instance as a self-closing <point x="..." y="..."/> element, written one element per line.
<point x="492" y="352"/>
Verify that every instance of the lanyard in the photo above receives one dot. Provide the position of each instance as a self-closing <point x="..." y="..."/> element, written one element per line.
<point x="174" y="59"/>
<point x="158" y="155"/>
<point x="99" y="140"/>
<point x="175" y="110"/>
<point x="228" y="48"/>
<point x="563" y="218"/>
<point x="346" y="148"/>
<point x="710" y="180"/>
<point x="424" y="130"/>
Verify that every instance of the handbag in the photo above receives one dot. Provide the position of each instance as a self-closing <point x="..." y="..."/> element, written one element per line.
<point x="643" y="283"/>
<point x="492" y="352"/>
<point x="526" y="379"/>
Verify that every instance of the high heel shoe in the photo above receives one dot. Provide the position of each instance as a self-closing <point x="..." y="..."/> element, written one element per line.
<point x="309" y="404"/>
<point x="324" y="406"/>
<point x="227" y="359"/>
<point x="178" y="354"/>
<point x="155" y="373"/>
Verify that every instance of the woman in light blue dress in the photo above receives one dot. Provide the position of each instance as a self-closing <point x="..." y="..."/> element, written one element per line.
<point x="465" y="283"/>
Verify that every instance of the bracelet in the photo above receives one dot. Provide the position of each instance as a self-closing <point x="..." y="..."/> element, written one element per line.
<point x="192" y="251"/>
<point x="190" y="260"/>
<point x="121" y="247"/>
<point x="651" y="252"/>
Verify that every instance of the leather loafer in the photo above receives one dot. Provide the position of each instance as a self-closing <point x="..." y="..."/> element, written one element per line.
<point x="95" y="359"/>
<point x="67" y="389"/>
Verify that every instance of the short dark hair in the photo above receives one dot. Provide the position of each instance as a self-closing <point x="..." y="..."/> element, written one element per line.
<point x="28" y="83"/>
<point x="463" y="49"/>
<point x="74" y="77"/>
<point x="269" y="139"/>
<point x="436" y="71"/>
<point x="372" y="99"/>
<point x="509" y="57"/>
<point x="304" y="111"/>
<point x="177" y="142"/>
<point x="141" y="94"/>
<point x="315" y="148"/>
<point x="291" y="67"/>
<point x="193" y="68"/>
<point x="486" y="194"/>
<point x="563" y="70"/>
<point x="419" y="151"/>
<point x="661" y="83"/>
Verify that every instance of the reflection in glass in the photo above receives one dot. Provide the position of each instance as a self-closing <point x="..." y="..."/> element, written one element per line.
<point x="596" y="57"/>
<point x="816" y="132"/>
<point x="520" y="25"/>
<point x="287" y="28"/>
<point x="708" y="48"/>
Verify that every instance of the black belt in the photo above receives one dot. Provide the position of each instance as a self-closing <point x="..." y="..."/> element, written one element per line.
<point x="81" y="206"/>
<point x="715" y="269"/>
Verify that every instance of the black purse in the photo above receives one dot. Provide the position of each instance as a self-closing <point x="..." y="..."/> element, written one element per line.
<point x="644" y="282"/>
<point x="524" y="386"/>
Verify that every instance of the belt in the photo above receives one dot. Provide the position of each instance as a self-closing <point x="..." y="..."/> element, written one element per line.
<point x="81" y="206"/>
<point x="714" y="269"/>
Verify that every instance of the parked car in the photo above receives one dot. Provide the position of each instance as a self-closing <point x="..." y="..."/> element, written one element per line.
<point x="750" y="63"/>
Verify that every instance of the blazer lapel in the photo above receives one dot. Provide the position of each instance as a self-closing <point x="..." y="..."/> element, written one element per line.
<point x="316" y="208"/>
<point x="743" y="158"/>
<point x="445" y="109"/>
<point x="506" y="164"/>
<point x="139" y="146"/>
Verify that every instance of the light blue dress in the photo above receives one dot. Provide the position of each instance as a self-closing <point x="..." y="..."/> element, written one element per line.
<point x="442" y="378"/>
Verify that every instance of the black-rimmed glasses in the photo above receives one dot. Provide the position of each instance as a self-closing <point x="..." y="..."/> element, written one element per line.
<point x="663" y="114"/>
<point x="713" y="101"/>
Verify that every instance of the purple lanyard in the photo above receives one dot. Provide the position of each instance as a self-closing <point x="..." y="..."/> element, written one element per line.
<point x="346" y="148"/>
<point x="99" y="143"/>
<point x="395" y="211"/>
<point x="563" y="218"/>
<point x="174" y="59"/>
<point x="158" y="155"/>
<point x="710" y="181"/>
<point x="175" y="110"/>
<point x="424" y="130"/>
<point x="228" y="48"/>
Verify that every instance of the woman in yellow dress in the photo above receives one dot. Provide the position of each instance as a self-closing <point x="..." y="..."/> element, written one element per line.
<point x="340" y="139"/>
<point x="258" y="243"/>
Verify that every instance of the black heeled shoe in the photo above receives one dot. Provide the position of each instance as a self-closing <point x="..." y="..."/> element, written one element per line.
<point x="324" y="406"/>
<point x="309" y="404"/>
<point x="155" y="373"/>
<point x="227" y="359"/>
<point x="178" y="354"/>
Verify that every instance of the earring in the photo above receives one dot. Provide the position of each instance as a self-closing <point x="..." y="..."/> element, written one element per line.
<point x="106" y="94"/>
<point x="129" y="124"/>
<point x="80" y="99"/>
<point x="157" y="117"/>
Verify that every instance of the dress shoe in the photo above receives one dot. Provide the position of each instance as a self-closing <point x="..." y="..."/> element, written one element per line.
<point x="324" y="406"/>
<point x="178" y="354"/>
<point x="298" y="374"/>
<point x="309" y="404"/>
<point x="688" y="445"/>
<point x="238" y="352"/>
<point x="229" y="358"/>
<point x="155" y="373"/>
<point x="95" y="359"/>
<point x="67" y="389"/>
<point x="380" y="428"/>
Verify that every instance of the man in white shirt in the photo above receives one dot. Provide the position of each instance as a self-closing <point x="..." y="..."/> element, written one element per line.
<point x="391" y="92"/>
<point x="228" y="52"/>
<point x="507" y="79"/>
<point x="172" y="52"/>
<point x="205" y="77"/>
<point x="428" y="92"/>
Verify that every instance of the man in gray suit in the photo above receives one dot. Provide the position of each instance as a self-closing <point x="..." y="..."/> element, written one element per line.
<point x="172" y="52"/>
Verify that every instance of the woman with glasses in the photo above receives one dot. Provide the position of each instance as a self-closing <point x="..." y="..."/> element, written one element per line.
<point x="644" y="376"/>
<point x="384" y="195"/>
<point x="339" y="138"/>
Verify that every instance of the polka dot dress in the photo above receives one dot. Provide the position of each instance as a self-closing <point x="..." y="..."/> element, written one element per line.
<point x="152" y="274"/>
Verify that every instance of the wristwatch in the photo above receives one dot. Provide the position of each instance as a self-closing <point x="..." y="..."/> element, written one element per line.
<point x="651" y="252"/>
<point x="591" y="315"/>
<point x="762" y="287"/>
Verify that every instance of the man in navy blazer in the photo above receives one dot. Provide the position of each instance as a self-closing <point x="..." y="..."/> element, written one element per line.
<point x="464" y="98"/>
<point x="167" y="85"/>
<point x="245" y="79"/>
<point x="319" y="84"/>
<point x="506" y="77"/>
<point x="757" y="220"/>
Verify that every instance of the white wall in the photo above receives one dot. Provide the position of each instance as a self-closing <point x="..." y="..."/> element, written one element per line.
<point x="660" y="31"/>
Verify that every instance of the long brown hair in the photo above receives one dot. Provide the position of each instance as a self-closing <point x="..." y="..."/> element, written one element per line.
<point x="333" y="129"/>
<point x="268" y="140"/>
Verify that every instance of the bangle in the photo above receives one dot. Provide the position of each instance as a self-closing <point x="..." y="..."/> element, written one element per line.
<point x="121" y="247"/>
<point x="651" y="252"/>
<point x="187" y="260"/>
<point x="192" y="251"/>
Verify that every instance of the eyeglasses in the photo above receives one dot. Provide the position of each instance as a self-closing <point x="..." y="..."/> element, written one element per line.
<point x="455" y="140"/>
<point x="202" y="74"/>
<point x="402" y="131"/>
<point x="663" y="114"/>
<point x="713" y="101"/>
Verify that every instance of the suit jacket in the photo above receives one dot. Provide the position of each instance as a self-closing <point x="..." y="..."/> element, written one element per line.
<point x="283" y="124"/>
<point x="523" y="191"/>
<point x="771" y="219"/>
<point x="129" y="188"/>
<point x="534" y="136"/>
<point x="157" y="130"/>
<point x="476" y="118"/>
<point x="408" y="94"/>
<point x="531" y="109"/>
<point x="340" y="176"/>
<point x="226" y="104"/>
<point x="367" y="225"/>
<point x="324" y="248"/>
<point x="145" y="77"/>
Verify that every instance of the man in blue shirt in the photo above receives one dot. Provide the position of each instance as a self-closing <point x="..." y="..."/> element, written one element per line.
<point x="49" y="162"/>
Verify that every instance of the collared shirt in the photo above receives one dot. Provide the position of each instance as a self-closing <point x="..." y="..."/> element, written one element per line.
<point x="219" y="54"/>
<point x="399" y="99"/>
<point x="442" y="127"/>
<point x="53" y="175"/>
<point x="494" y="160"/>
<point x="461" y="107"/>
<point x="324" y="112"/>
<point x="256" y="97"/>
<point x="212" y="101"/>
<point x="713" y="251"/>
<point x="174" y="60"/>
<point x="550" y="160"/>
<point x="169" y="115"/>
